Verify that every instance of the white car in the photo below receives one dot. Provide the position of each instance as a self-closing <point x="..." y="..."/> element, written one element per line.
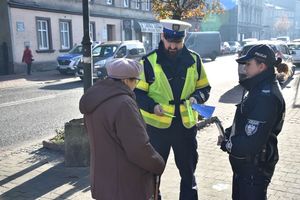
<point x="295" y="49"/>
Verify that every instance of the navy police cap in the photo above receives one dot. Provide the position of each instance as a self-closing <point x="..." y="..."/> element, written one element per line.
<point x="261" y="52"/>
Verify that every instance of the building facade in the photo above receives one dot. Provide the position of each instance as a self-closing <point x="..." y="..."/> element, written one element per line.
<point x="249" y="19"/>
<point x="53" y="27"/>
<point x="280" y="19"/>
<point x="241" y="19"/>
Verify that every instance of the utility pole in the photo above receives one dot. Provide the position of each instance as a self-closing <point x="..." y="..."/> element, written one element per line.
<point x="86" y="47"/>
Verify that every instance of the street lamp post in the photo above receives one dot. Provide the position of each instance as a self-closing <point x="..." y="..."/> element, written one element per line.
<point x="86" y="47"/>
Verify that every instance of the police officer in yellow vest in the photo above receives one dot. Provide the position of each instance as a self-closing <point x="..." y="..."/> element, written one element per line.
<point x="172" y="80"/>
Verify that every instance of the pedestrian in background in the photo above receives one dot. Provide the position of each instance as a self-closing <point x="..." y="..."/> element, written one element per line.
<point x="173" y="79"/>
<point x="251" y="141"/>
<point x="284" y="72"/>
<point x="27" y="58"/>
<point x="123" y="162"/>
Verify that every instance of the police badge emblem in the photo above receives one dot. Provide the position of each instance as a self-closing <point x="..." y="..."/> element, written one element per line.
<point x="251" y="127"/>
<point x="175" y="27"/>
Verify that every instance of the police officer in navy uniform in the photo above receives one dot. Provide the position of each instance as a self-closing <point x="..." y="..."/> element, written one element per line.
<point x="251" y="141"/>
<point x="173" y="79"/>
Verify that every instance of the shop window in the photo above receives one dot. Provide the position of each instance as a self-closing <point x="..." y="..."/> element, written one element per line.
<point x="43" y="29"/>
<point x="65" y="34"/>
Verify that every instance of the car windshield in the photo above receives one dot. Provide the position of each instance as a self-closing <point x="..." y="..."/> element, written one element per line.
<point x="231" y="43"/>
<point x="76" y="50"/>
<point x="105" y="50"/>
<point x="294" y="46"/>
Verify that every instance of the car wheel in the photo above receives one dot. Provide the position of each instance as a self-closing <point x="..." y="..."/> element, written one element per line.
<point x="213" y="56"/>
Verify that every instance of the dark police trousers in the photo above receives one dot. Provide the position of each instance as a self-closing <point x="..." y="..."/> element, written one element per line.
<point x="249" y="186"/>
<point x="184" y="144"/>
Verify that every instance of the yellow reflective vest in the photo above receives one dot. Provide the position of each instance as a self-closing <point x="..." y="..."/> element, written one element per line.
<point x="160" y="91"/>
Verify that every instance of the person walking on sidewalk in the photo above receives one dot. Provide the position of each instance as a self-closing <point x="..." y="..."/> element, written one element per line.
<point x="173" y="79"/>
<point x="251" y="141"/>
<point x="123" y="162"/>
<point x="27" y="58"/>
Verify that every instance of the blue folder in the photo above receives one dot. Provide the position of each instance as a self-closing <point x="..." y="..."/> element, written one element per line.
<point x="204" y="110"/>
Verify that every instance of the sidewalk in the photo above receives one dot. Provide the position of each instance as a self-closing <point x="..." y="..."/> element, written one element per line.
<point x="34" y="172"/>
<point x="40" y="77"/>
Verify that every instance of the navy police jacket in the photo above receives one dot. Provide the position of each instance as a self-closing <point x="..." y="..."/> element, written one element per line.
<point x="258" y="120"/>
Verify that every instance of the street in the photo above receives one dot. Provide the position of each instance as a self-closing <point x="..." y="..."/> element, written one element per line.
<point x="31" y="111"/>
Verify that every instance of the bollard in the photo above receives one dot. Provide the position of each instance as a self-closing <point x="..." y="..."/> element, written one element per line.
<point x="77" y="149"/>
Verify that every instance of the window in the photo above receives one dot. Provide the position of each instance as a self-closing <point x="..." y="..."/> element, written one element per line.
<point x="93" y="31"/>
<point x="121" y="53"/>
<point x="43" y="33"/>
<point x="109" y="2"/>
<point x="65" y="34"/>
<point x="137" y="4"/>
<point x="147" y="7"/>
<point x="126" y="3"/>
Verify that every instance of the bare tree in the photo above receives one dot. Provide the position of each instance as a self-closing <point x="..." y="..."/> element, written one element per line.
<point x="282" y="25"/>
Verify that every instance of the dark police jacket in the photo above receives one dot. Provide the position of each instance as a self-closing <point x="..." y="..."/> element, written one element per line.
<point x="257" y="123"/>
<point x="175" y="70"/>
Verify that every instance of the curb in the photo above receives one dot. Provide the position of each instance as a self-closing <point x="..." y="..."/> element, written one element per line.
<point x="54" y="146"/>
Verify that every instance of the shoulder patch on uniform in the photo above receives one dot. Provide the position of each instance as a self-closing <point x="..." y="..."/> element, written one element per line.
<point x="251" y="127"/>
<point x="266" y="89"/>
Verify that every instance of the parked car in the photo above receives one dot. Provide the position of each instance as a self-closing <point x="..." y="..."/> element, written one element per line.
<point x="285" y="39"/>
<point x="206" y="44"/>
<point x="248" y="40"/>
<point x="105" y="52"/>
<point x="295" y="50"/>
<point x="234" y="46"/>
<point x="67" y="63"/>
<point x="225" y="48"/>
<point x="280" y="48"/>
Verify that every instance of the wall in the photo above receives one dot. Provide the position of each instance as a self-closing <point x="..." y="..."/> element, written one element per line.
<point x="28" y="17"/>
<point x="6" y="64"/>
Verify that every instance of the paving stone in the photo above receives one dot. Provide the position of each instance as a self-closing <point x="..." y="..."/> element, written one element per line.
<point x="33" y="172"/>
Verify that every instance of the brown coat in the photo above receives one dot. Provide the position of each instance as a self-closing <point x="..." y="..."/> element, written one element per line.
<point x="122" y="159"/>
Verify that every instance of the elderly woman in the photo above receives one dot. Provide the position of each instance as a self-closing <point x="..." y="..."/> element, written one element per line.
<point x="123" y="161"/>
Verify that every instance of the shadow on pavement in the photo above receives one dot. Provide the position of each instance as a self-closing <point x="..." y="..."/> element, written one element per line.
<point x="21" y="173"/>
<point x="64" y="86"/>
<point x="233" y="96"/>
<point x="48" y="180"/>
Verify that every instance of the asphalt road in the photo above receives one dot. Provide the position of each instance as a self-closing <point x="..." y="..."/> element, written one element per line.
<point x="32" y="113"/>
